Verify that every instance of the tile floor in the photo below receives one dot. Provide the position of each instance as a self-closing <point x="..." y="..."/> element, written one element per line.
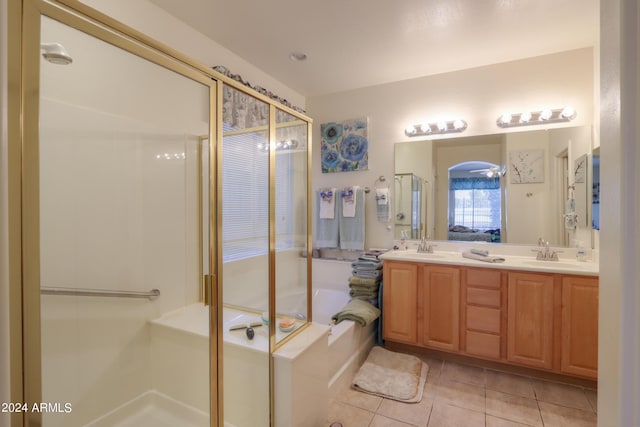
<point x="458" y="395"/>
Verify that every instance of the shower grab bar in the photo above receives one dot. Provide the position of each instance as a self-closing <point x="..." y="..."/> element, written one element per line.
<point x="150" y="295"/>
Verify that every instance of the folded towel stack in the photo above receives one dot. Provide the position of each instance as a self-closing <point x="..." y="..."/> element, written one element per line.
<point x="367" y="275"/>
<point x="359" y="311"/>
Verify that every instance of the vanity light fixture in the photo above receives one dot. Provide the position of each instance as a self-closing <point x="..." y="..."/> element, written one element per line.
<point x="439" y="127"/>
<point x="547" y="115"/>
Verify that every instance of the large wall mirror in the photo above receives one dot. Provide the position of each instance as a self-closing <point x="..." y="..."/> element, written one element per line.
<point x="502" y="188"/>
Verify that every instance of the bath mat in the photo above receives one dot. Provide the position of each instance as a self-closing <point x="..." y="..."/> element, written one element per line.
<point x="392" y="375"/>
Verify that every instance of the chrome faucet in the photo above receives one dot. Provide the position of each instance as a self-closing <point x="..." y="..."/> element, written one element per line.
<point x="545" y="253"/>
<point x="425" y="246"/>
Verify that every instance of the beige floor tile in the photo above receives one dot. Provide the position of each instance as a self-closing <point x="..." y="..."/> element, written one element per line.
<point x="515" y="408"/>
<point x="359" y="399"/>
<point x="445" y="415"/>
<point x="592" y="397"/>
<point x="463" y="374"/>
<point x="509" y="383"/>
<point x="416" y="414"/>
<point x="348" y="415"/>
<point x="561" y="416"/>
<point x="430" y="389"/>
<point x="460" y="394"/>
<point x="435" y="366"/>
<point x="561" y="394"/>
<point x="492" y="421"/>
<point x="381" y="421"/>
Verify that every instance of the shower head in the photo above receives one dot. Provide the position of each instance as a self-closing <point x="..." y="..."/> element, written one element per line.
<point x="55" y="53"/>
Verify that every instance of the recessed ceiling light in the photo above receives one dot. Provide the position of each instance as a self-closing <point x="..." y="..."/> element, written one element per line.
<point x="297" y="56"/>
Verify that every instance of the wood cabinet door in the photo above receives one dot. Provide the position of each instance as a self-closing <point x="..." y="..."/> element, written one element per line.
<point x="399" y="302"/>
<point x="439" y="306"/>
<point x="530" y="320"/>
<point x="579" y="354"/>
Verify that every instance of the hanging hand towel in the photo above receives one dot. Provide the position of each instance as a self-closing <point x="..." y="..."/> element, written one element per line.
<point x="327" y="229"/>
<point x="352" y="228"/>
<point x="570" y="216"/>
<point x="328" y="203"/>
<point x="382" y="205"/>
<point x="349" y="202"/>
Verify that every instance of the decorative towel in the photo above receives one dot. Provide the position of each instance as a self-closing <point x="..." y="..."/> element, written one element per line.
<point x="382" y="204"/>
<point x="366" y="265"/>
<point x="485" y="258"/>
<point x="349" y="201"/>
<point x="327" y="230"/>
<point x="328" y="203"/>
<point x="359" y="281"/>
<point x="359" y="311"/>
<point x="352" y="229"/>
<point x="367" y="274"/>
<point x="365" y="295"/>
<point x="570" y="216"/>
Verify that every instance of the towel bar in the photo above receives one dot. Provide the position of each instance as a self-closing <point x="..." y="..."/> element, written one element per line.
<point x="150" y="295"/>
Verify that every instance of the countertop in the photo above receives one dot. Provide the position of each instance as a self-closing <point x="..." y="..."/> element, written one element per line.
<point x="511" y="262"/>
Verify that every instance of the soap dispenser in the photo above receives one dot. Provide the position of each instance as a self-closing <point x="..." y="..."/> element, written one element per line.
<point x="581" y="253"/>
<point x="403" y="240"/>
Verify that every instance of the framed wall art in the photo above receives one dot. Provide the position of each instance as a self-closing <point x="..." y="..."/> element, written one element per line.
<point x="344" y="146"/>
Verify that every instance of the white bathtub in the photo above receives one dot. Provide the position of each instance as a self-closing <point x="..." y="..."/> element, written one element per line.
<point x="349" y="343"/>
<point x="342" y="348"/>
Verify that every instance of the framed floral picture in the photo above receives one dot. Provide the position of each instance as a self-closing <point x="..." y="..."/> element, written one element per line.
<point x="344" y="147"/>
<point x="526" y="166"/>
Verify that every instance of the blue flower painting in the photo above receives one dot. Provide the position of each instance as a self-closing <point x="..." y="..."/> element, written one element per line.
<point x="345" y="147"/>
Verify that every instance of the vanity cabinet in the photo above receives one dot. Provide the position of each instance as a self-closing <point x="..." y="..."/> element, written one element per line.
<point x="421" y="304"/>
<point x="530" y="319"/>
<point x="483" y="315"/>
<point x="439" y="306"/>
<point x="546" y="321"/>
<point x="579" y="354"/>
<point x="400" y="303"/>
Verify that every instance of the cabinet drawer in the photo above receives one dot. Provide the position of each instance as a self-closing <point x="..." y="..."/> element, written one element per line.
<point x="481" y="344"/>
<point x="483" y="319"/>
<point x="483" y="277"/>
<point x="489" y="297"/>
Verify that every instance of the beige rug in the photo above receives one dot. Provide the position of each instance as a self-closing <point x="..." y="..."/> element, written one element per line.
<point x="392" y="375"/>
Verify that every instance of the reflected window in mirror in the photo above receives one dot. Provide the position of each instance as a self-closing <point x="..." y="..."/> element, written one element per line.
<point x="475" y="202"/>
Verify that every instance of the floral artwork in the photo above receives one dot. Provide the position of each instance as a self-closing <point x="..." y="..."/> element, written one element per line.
<point x="345" y="147"/>
<point x="526" y="166"/>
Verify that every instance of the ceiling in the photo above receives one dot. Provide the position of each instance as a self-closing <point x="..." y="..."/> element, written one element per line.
<point x="359" y="43"/>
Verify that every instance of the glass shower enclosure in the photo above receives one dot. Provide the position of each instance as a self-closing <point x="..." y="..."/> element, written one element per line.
<point x="165" y="238"/>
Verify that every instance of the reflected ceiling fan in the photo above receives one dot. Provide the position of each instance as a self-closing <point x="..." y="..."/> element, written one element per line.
<point x="491" y="172"/>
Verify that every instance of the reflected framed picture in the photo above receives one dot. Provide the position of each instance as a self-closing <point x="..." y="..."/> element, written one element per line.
<point x="580" y="169"/>
<point x="526" y="166"/>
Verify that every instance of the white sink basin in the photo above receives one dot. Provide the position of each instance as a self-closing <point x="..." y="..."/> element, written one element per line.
<point x="412" y="254"/>
<point x="556" y="264"/>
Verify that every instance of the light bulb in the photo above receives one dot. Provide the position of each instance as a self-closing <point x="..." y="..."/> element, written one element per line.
<point x="525" y="117"/>
<point x="410" y="130"/>
<point x="568" y="112"/>
<point x="505" y="118"/>
<point x="442" y="126"/>
<point x="458" y="124"/>
<point x="426" y="128"/>
<point x="545" y="114"/>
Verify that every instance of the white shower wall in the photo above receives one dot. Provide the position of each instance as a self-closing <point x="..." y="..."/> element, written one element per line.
<point x="113" y="216"/>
